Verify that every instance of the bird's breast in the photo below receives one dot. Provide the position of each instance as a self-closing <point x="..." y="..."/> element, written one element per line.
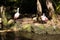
<point x="44" y="18"/>
<point x="16" y="15"/>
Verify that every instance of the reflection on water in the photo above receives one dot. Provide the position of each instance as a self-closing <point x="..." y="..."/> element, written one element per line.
<point x="30" y="36"/>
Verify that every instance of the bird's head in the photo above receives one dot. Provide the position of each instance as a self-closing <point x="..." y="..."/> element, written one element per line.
<point x="17" y="9"/>
<point x="43" y="14"/>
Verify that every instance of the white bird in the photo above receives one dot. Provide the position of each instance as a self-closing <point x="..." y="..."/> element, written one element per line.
<point x="44" y="18"/>
<point x="17" y="14"/>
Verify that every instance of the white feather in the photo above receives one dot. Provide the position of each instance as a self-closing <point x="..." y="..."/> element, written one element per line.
<point x="17" y="14"/>
<point x="43" y="17"/>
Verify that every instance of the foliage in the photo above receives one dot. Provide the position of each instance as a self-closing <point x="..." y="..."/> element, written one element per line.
<point x="4" y="19"/>
<point x="57" y="4"/>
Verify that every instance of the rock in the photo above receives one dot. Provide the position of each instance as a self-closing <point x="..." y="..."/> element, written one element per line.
<point x="38" y="29"/>
<point x="11" y="21"/>
<point x="26" y="27"/>
<point x="35" y="19"/>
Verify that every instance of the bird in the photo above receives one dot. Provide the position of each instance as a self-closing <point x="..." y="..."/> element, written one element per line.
<point x="44" y="18"/>
<point x="17" y="14"/>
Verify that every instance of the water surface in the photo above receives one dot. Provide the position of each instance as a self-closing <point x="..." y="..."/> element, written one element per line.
<point x="30" y="36"/>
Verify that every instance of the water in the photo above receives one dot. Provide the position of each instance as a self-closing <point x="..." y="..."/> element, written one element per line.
<point x="30" y="36"/>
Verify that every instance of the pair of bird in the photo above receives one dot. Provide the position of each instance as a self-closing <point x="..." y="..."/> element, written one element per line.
<point x="43" y="18"/>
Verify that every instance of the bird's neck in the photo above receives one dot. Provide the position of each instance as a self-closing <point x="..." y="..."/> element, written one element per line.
<point x="17" y="10"/>
<point x="43" y="14"/>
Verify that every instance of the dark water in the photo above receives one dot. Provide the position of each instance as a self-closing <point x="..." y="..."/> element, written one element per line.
<point x="30" y="36"/>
